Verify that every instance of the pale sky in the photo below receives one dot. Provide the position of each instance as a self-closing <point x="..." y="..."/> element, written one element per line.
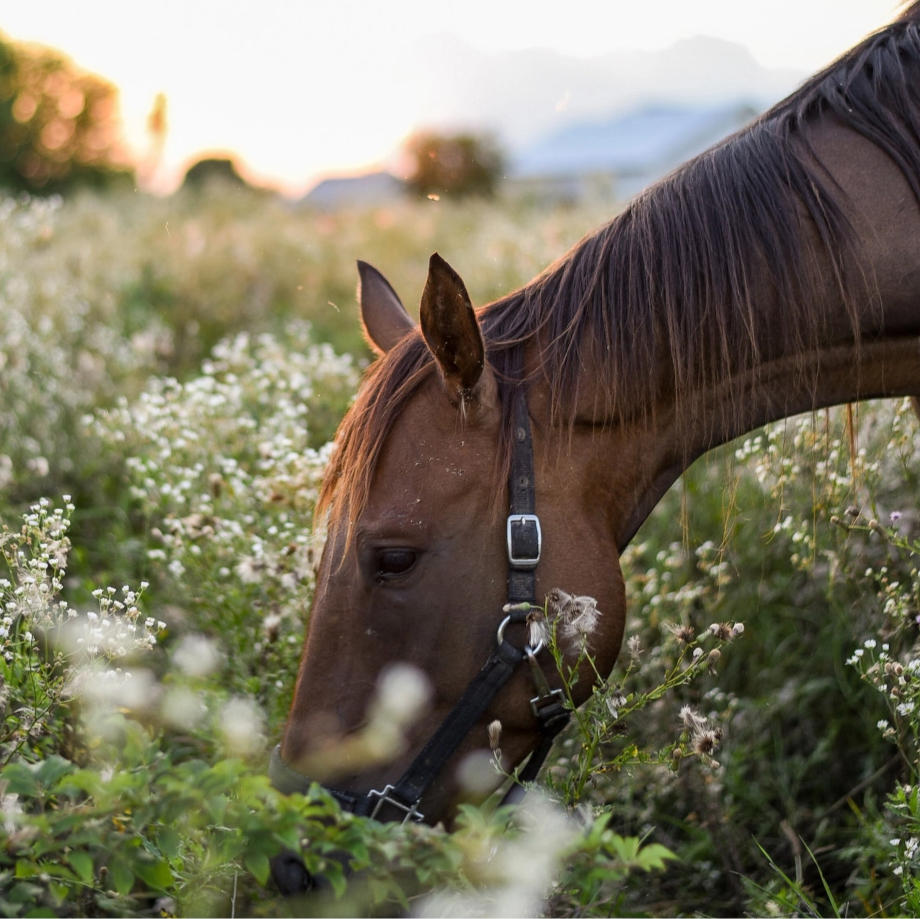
<point x="303" y="88"/>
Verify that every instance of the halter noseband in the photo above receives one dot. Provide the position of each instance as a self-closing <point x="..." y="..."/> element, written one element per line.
<point x="400" y="802"/>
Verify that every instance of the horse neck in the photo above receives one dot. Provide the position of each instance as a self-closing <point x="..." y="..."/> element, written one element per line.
<point x="877" y="356"/>
<point x="649" y="454"/>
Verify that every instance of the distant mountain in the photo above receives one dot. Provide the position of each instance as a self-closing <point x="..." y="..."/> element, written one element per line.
<point x="621" y="155"/>
<point x="523" y="96"/>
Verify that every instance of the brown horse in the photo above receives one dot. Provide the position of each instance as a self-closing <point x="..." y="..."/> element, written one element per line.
<point x="776" y="273"/>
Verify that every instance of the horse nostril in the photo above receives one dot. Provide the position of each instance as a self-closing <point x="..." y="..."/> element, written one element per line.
<point x="290" y="874"/>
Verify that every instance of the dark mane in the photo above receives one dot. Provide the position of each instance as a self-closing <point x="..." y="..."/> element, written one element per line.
<point x="678" y="279"/>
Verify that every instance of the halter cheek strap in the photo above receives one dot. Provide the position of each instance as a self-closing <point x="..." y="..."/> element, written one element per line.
<point x="524" y="537"/>
<point x="400" y="802"/>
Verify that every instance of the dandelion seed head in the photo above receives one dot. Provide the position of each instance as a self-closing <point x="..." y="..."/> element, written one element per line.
<point x="705" y="742"/>
<point x="536" y="628"/>
<point x="691" y="719"/>
<point x="721" y="630"/>
<point x="683" y="633"/>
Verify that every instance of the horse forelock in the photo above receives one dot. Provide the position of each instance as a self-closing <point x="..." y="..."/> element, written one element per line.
<point x="672" y="288"/>
<point x="386" y="387"/>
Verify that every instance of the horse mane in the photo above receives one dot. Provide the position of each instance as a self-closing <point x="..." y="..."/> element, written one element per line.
<point x="677" y="280"/>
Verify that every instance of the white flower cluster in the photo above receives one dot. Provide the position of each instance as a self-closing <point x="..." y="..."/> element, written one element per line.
<point x="223" y="464"/>
<point x="898" y="682"/>
<point x="906" y="855"/>
<point x="62" y="346"/>
<point x="37" y="560"/>
<point x="118" y="628"/>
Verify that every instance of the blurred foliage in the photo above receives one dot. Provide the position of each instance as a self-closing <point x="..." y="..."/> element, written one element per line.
<point x="59" y="126"/>
<point x="453" y="165"/>
<point x="213" y="169"/>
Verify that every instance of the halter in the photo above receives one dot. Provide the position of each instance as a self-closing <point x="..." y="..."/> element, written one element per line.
<point x="399" y="802"/>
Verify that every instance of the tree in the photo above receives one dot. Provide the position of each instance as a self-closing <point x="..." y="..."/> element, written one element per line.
<point x="59" y="126"/>
<point x="454" y="164"/>
<point x="213" y="169"/>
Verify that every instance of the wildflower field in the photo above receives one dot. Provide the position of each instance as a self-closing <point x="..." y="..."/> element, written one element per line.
<point x="171" y="375"/>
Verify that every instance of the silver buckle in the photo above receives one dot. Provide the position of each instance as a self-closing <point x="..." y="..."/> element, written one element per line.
<point x="523" y="520"/>
<point x="554" y="695"/>
<point x="409" y="810"/>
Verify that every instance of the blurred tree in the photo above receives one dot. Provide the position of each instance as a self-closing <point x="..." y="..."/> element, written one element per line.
<point x="213" y="169"/>
<point x="454" y="164"/>
<point x="59" y="126"/>
<point x="157" y="130"/>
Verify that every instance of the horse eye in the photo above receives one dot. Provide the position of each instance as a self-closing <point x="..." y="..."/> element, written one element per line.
<point x="391" y="563"/>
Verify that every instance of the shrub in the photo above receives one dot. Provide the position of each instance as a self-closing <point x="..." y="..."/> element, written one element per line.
<point x="453" y="164"/>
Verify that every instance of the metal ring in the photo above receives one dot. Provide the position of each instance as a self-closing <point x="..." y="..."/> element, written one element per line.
<point x="500" y="636"/>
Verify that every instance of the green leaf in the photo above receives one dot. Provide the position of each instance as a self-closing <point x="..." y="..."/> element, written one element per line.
<point x="23" y="892"/>
<point x="122" y="876"/>
<point x="26" y="869"/>
<point x="168" y="841"/>
<point x="336" y="877"/>
<point x="20" y="780"/>
<point x="626" y="848"/>
<point x="53" y="769"/>
<point x="653" y="856"/>
<point x="257" y="865"/>
<point x="82" y="863"/>
<point x="156" y="874"/>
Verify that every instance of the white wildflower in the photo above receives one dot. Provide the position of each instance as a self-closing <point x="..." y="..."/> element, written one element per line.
<point x="578" y="615"/>
<point x="196" y="656"/>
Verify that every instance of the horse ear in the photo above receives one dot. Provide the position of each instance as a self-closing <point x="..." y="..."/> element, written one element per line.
<point x="383" y="316"/>
<point x="451" y="329"/>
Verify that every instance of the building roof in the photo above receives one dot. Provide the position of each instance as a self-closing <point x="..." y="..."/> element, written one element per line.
<point x="372" y="188"/>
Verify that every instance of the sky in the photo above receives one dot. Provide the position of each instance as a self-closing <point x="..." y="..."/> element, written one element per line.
<point x="300" y="89"/>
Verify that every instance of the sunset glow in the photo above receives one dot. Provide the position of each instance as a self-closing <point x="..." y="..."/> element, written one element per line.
<point x="299" y="90"/>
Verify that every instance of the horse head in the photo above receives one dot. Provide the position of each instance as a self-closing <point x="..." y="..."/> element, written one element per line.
<point x="414" y="577"/>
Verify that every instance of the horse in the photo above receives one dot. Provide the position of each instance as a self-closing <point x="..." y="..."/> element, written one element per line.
<point x="496" y="457"/>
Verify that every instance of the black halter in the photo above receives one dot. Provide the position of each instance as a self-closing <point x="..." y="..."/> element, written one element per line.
<point x="400" y="802"/>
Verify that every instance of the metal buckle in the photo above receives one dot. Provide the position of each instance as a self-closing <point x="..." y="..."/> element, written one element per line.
<point x="500" y="637"/>
<point x="408" y="809"/>
<point x="554" y="695"/>
<point x="523" y="520"/>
